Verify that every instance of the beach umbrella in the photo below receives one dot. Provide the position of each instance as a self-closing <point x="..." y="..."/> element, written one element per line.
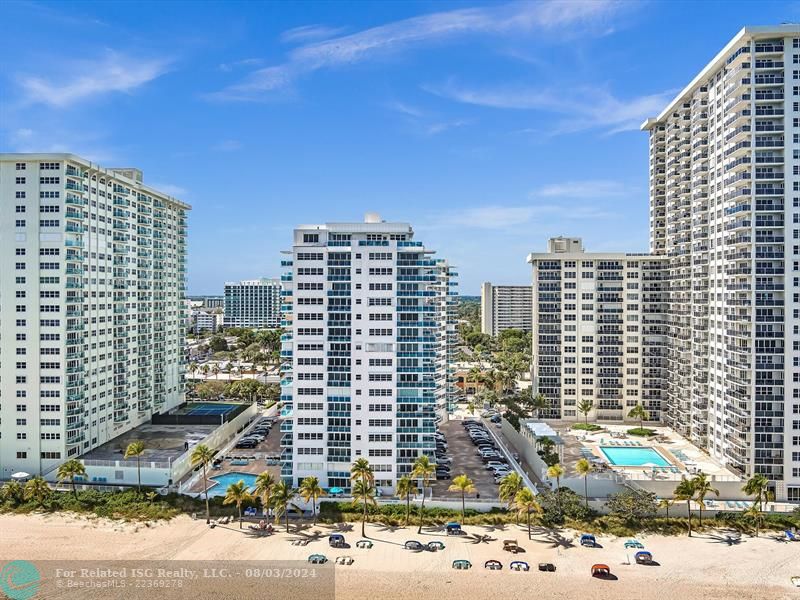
<point x="336" y="490"/>
<point x="21" y="475"/>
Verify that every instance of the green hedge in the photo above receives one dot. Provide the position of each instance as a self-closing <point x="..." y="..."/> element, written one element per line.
<point x="587" y="427"/>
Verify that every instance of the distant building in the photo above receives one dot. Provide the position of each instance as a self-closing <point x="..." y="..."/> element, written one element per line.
<point x="505" y="307"/>
<point x="214" y="302"/>
<point x="206" y="321"/>
<point x="253" y="303"/>
<point x="599" y="331"/>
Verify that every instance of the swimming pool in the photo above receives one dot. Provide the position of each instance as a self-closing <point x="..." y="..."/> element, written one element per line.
<point x="634" y="457"/>
<point x="223" y="481"/>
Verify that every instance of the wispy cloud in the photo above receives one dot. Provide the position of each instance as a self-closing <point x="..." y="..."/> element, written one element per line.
<point x="583" y="189"/>
<point x="92" y="145"/>
<point x="237" y="64"/>
<point x="227" y="146"/>
<point x="82" y="80"/>
<point x="307" y="33"/>
<point x="392" y="37"/>
<point x="511" y="217"/>
<point x="169" y="189"/>
<point x="587" y="107"/>
<point x="422" y="120"/>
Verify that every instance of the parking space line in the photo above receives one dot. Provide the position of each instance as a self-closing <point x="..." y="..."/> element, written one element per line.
<point x="510" y="459"/>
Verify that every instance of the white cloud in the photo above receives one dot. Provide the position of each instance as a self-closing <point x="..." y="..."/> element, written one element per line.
<point x="307" y="33"/>
<point x="406" y="109"/>
<point x="523" y="17"/>
<point x="82" y="80"/>
<point x="245" y="62"/>
<point x="175" y="191"/>
<point x="587" y="107"/>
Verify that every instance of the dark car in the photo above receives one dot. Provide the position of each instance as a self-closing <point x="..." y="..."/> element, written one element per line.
<point x="442" y="475"/>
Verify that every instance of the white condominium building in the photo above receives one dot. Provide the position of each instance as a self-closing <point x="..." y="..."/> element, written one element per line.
<point x="92" y="318"/>
<point x="505" y="307"/>
<point x="725" y="213"/>
<point x="370" y="330"/>
<point x="253" y="303"/>
<point x="597" y="331"/>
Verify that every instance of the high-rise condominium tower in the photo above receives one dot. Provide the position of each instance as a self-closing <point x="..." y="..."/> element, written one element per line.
<point x="92" y="317"/>
<point x="254" y="303"/>
<point x="371" y="329"/>
<point x="725" y="212"/>
<point x="505" y="307"/>
<point x="598" y="338"/>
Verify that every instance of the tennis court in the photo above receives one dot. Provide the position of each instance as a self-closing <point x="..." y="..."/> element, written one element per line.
<point x="207" y="408"/>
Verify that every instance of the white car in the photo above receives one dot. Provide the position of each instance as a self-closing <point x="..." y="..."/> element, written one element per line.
<point x="496" y="464"/>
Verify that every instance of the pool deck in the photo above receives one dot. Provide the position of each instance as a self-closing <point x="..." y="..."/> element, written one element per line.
<point x="681" y="453"/>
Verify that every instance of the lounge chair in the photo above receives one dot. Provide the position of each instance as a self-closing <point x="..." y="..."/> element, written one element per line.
<point x="317" y="559"/>
<point x="730" y="504"/>
<point x="493" y="565"/>
<point x="364" y="544"/>
<point x="462" y="564"/>
<point x="519" y="565"/>
<point x="791" y="537"/>
<point x="344" y="560"/>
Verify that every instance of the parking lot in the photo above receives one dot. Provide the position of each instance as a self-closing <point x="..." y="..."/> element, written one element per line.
<point x="465" y="460"/>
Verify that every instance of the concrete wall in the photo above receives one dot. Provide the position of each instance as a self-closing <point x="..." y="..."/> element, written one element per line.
<point x="158" y="474"/>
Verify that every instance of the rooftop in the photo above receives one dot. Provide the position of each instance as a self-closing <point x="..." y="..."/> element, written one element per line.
<point x="163" y="443"/>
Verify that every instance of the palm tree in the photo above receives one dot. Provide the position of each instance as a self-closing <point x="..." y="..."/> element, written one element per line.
<point x="406" y="487"/>
<point x="69" y="470"/>
<point x="509" y="486"/>
<point x="703" y="487"/>
<point x="362" y="470"/>
<point x="471" y="407"/>
<point x="584" y="407"/>
<point x="265" y="483"/>
<point x="758" y="487"/>
<point x="282" y="495"/>
<point x="462" y="484"/>
<point x="539" y="403"/>
<point x="192" y="368"/>
<point x="422" y="469"/>
<point x="202" y="455"/>
<point x="237" y="493"/>
<point x="555" y="472"/>
<point x="754" y="512"/>
<point x="638" y="412"/>
<point x="215" y="370"/>
<point x="310" y="490"/>
<point x="204" y="369"/>
<point x="12" y="491"/>
<point x="525" y="502"/>
<point x="665" y="503"/>
<point x="685" y="492"/>
<point x="38" y="490"/>
<point x="364" y="492"/>
<point x="136" y="449"/>
<point x="583" y="467"/>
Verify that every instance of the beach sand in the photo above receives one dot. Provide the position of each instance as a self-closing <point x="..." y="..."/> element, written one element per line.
<point x="705" y="566"/>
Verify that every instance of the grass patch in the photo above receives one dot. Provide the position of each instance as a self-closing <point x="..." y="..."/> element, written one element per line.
<point x="641" y="431"/>
<point x="587" y="427"/>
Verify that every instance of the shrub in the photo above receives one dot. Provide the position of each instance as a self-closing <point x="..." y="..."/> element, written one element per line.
<point x="633" y="505"/>
<point x="556" y="511"/>
<point x="641" y="431"/>
<point x="587" y="427"/>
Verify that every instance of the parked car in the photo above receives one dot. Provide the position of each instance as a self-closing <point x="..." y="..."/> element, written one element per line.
<point x="440" y="475"/>
<point x="495" y="463"/>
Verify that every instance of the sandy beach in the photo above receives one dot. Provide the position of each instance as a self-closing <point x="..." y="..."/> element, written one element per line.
<point x="706" y="566"/>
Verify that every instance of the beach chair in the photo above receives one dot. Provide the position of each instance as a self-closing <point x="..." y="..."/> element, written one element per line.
<point x="791" y="537"/>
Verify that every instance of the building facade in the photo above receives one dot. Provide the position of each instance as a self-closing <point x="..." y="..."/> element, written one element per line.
<point x="92" y="318"/>
<point x="505" y="307"/>
<point x="201" y="320"/>
<point x="253" y="303"/>
<point x="598" y="332"/>
<point x="370" y="331"/>
<point x="725" y="214"/>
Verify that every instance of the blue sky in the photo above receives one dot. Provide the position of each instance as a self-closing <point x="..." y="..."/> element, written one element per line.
<point x="488" y="126"/>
